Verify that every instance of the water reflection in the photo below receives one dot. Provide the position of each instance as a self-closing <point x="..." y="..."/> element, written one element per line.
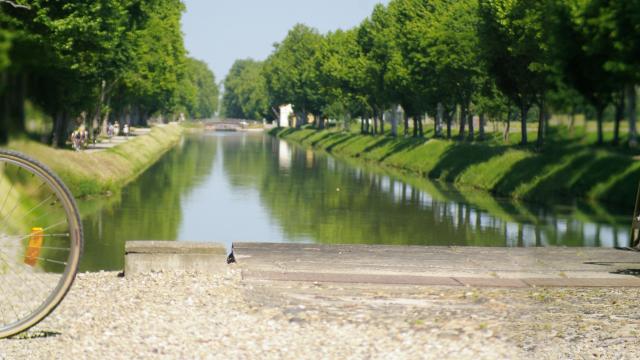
<point x="340" y="202"/>
<point x="251" y="187"/>
<point x="148" y="209"/>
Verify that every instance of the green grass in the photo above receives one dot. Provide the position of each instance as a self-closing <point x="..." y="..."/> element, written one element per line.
<point x="566" y="169"/>
<point x="106" y="171"/>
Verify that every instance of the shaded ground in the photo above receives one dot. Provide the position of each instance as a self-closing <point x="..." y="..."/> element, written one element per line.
<point x="182" y="315"/>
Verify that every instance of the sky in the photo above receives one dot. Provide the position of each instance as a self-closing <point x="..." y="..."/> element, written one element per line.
<point x="221" y="31"/>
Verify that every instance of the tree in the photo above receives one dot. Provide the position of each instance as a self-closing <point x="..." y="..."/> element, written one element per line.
<point x="342" y="76"/>
<point x="582" y="52"/>
<point x="377" y="44"/>
<point x="205" y="91"/>
<point x="245" y="92"/>
<point x="513" y="45"/>
<point x="97" y="60"/>
<point x="619" y="23"/>
<point x="446" y="56"/>
<point x="292" y="72"/>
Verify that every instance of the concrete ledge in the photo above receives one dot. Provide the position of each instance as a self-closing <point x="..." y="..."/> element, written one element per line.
<point x="439" y="265"/>
<point x="154" y="256"/>
<point x="350" y="278"/>
<point x="173" y="247"/>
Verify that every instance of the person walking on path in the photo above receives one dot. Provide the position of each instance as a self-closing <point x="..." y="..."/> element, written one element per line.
<point x="110" y="131"/>
<point x="125" y="130"/>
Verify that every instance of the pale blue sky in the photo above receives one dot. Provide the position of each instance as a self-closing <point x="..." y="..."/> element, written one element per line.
<point x="221" y="31"/>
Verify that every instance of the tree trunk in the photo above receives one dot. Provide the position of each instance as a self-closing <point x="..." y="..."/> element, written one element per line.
<point x="394" y="121"/>
<point x="541" y="124"/>
<point x="481" y="127"/>
<point x="523" y="123"/>
<point x="319" y="121"/>
<point x="471" y="127"/>
<point x="437" y="131"/>
<point x="59" y="134"/>
<point x="406" y="123"/>
<point x="572" y="120"/>
<point x="631" y="115"/>
<point x="421" y="120"/>
<point x="617" y="120"/>
<point x="507" y="128"/>
<point x="547" y="118"/>
<point x="449" y="118"/>
<point x="381" y="118"/>
<point x="415" y="126"/>
<point x="599" y="119"/>
<point x="4" y="124"/>
<point x="375" y="123"/>
<point x="12" y="105"/>
<point x="463" y="121"/>
<point x="362" y="125"/>
<point x="97" y="115"/>
<point x="105" y="117"/>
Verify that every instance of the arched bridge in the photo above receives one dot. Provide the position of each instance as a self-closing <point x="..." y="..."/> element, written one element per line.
<point x="227" y="124"/>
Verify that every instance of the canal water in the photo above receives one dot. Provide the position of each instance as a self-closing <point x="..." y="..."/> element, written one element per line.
<point x="227" y="187"/>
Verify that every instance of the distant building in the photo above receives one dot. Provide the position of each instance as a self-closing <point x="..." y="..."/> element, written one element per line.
<point x="286" y="111"/>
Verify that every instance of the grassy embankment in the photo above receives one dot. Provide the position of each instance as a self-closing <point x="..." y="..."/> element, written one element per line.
<point x="105" y="171"/>
<point x="566" y="169"/>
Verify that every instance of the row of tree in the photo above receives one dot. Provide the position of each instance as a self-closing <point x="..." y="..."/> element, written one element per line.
<point x="496" y="59"/>
<point x="98" y="61"/>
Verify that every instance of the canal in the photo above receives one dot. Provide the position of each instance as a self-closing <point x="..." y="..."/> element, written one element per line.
<point x="226" y="187"/>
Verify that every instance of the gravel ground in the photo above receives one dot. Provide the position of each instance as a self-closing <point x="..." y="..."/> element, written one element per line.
<point x="187" y="315"/>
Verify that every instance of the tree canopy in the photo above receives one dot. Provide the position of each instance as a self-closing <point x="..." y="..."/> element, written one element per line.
<point x="487" y="58"/>
<point x="97" y="62"/>
<point x="245" y="91"/>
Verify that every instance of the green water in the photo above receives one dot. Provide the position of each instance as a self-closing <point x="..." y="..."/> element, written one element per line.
<point x="227" y="187"/>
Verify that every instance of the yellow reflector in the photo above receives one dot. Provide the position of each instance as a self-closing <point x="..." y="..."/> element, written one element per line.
<point x="35" y="245"/>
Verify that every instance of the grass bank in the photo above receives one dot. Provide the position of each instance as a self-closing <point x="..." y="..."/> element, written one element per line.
<point x="564" y="170"/>
<point x="105" y="171"/>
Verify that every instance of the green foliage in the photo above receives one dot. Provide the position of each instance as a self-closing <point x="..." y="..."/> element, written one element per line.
<point x="5" y="45"/>
<point x="292" y="72"/>
<point x="201" y="90"/>
<point x="98" y="61"/>
<point x="245" y="95"/>
<point x="490" y="58"/>
<point x="343" y="75"/>
<point x="514" y="40"/>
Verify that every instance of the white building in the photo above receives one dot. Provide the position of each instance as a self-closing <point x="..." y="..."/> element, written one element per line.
<point x="285" y="114"/>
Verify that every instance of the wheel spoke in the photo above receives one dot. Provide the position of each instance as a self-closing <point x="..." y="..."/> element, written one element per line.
<point x="36" y="268"/>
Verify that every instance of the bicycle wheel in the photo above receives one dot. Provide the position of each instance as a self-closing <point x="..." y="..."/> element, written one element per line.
<point x="40" y="242"/>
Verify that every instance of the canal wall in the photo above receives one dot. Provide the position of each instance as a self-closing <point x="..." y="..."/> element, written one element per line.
<point x="559" y="173"/>
<point x="107" y="171"/>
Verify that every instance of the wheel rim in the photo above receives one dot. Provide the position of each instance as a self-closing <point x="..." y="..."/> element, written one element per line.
<point x="40" y="242"/>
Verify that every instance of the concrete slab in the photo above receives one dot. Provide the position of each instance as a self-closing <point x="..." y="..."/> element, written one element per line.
<point x="155" y="256"/>
<point x="350" y="278"/>
<point x="173" y="247"/>
<point x="585" y="282"/>
<point x="492" y="282"/>
<point x="469" y="266"/>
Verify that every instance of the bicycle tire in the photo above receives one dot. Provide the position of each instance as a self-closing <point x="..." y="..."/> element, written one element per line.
<point x="75" y="235"/>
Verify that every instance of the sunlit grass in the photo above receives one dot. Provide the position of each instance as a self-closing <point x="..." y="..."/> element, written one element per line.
<point x="105" y="171"/>
<point x="568" y="167"/>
